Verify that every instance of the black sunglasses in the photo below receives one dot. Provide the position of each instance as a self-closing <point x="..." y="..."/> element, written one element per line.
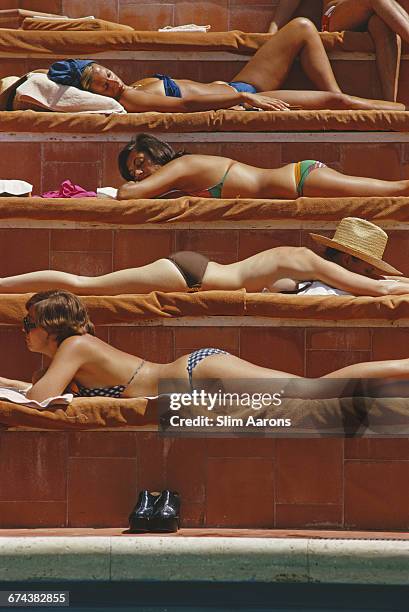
<point x="28" y="325"/>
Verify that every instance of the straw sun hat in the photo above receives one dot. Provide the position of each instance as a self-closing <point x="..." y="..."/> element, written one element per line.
<point x="361" y="239"/>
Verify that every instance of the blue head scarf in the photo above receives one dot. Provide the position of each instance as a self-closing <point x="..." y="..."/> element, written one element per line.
<point x="68" y="72"/>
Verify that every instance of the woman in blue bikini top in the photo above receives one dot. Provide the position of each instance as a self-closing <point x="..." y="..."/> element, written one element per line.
<point x="57" y="325"/>
<point x="256" y="86"/>
<point x="153" y="169"/>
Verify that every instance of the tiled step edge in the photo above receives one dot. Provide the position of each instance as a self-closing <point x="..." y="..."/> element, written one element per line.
<point x="216" y="559"/>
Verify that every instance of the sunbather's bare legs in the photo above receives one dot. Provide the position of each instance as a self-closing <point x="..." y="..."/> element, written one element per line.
<point x="387" y="21"/>
<point x="315" y="100"/>
<point x="393" y="368"/>
<point x="161" y="275"/>
<point x="269" y="67"/>
<point x="388" y="47"/>
<point x="233" y="372"/>
<point x="351" y="14"/>
<point x="326" y="182"/>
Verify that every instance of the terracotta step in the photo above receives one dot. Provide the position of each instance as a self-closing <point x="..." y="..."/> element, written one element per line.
<point x="93" y="478"/>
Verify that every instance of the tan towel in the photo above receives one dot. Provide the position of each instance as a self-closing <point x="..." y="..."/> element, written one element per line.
<point x="65" y="24"/>
<point x="39" y="91"/>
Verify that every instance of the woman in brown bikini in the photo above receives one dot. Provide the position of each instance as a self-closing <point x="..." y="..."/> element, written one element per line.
<point x="354" y="264"/>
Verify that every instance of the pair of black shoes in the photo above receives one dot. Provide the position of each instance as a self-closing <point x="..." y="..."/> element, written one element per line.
<point x="155" y="512"/>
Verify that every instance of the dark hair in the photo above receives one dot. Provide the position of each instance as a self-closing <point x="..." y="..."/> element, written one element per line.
<point x="332" y="254"/>
<point x="159" y="152"/>
<point x="61" y="313"/>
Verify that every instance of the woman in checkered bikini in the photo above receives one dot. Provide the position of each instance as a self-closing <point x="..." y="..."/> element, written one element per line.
<point x="57" y="326"/>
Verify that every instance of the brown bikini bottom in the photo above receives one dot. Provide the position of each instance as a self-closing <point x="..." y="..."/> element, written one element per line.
<point x="191" y="265"/>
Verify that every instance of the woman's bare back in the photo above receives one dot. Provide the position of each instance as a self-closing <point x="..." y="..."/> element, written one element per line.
<point x="186" y="86"/>
<point x="200" y="172"/>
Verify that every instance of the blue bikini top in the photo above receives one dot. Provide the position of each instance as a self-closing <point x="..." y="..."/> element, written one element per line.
<point x="172" y="89"/>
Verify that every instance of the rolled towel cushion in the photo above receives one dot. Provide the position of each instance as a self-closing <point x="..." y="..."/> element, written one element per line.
<point x="14" y="187"/>
<point x="38" y="93"/>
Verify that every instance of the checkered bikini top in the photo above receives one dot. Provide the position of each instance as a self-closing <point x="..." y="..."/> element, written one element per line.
<point x="114" y="391"/>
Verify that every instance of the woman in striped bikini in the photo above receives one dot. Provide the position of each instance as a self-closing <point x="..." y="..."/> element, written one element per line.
<point x="57" y="325"/>
<point x="153" y="169"/>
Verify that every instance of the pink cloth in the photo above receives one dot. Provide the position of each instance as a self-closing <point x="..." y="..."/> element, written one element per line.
<point x="69" y="190"/>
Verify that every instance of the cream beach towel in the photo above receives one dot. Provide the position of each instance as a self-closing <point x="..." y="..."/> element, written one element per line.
<point x="18" y="397"/>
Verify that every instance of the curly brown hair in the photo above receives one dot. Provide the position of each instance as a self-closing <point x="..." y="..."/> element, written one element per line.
<point x="61" y="313"/>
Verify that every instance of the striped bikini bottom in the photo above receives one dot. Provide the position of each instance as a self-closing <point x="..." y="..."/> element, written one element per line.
<point x="302" y="170"/>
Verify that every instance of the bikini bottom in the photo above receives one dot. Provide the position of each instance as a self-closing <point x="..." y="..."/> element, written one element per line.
<point x="197" y="356"/>
<point x="239" y="86"/>
<point x="302" y="170"/>
<point x="191" y="265"/>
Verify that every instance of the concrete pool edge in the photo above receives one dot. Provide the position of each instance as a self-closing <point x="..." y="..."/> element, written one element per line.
<point x="215" y="559"/>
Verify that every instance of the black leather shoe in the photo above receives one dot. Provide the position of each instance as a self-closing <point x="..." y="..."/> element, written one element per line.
<point x="165" y="516"/>
<point x="140" y="517"/>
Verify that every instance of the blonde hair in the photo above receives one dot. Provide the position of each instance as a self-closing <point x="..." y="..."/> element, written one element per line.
<point x="61" y="313"/>
<point x="86" y="77"/>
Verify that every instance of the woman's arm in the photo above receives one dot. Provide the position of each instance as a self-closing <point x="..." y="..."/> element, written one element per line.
<point x="70" y="356"/>
<point x="307" y="265"/>
<point x="284" y="11"/>
<point x="135" y="101"/>
<point x="167" y="179"/>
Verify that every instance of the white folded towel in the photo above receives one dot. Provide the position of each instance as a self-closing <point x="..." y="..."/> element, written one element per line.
<point x="319" y="288"/>
<point x="107" y="192"/>
<point x="188" y="27"/>
<point x="18" y="397"/>
<point x="41" y="92"/>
